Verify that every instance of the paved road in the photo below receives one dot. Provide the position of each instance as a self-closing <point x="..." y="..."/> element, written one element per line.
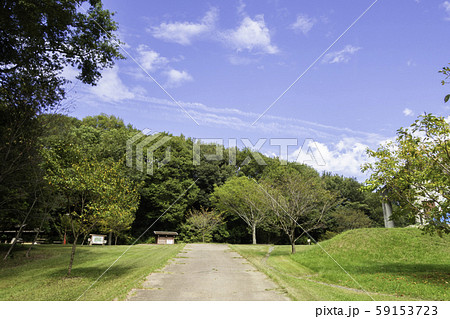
<point x="208" y="272"/>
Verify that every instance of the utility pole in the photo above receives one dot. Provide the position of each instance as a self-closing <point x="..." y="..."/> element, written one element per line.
<point x="387" y="213"/>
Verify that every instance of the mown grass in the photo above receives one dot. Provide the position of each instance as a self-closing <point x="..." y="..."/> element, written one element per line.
<point x="390" y="264"/>
<point x="43" y="275"/>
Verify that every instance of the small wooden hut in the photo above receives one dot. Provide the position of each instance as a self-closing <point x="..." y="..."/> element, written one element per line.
<point x="165" y="237"/>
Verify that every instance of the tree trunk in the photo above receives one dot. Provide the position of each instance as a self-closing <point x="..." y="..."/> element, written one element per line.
<point x="74" y="246"/>
<point x="293" y="246"/>
<point x="37" y="235"/>
<point x="72" y="255"/>
<point x="115" y="240"/>
<point x="84" y="239"/>
<point x="254" y="234"/>
<point x="110" y="238"/>
<point x="292" y="240"/>
<point x="19" y="231"/>
<point x="203" y="237"/>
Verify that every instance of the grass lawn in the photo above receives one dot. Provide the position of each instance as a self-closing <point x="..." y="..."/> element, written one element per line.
<point x="43" y="275"/>
<point x="391" y="264"/>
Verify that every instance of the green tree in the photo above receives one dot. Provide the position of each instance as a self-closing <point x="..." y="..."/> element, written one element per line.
<point x="103" y="138"/>
<point x="346" y="218"/>
<point x="242" y="196"/>
<point x="169" y="193"/>
<point x="38" y="39"/>
<point x="354" y="197"/>
<point x="123" y="200"/>
<point x="211" y="172"/>
<point x="94" y="190"/>
<point x="415" y="171"/>
<point x="298" y="199"/>
<point x="204" y="222"/>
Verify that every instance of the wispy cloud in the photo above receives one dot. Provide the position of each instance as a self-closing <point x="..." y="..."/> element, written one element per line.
<point x="342" y="56"/>
<point x="251" y="35"/>
<point x="176" y="78"/>
<point x="408" y="112"/>
<point x="241" y="120"/>
<point x="241" y="8"/>
<point x="185" y="32"/>
<point x="410" y="63"/>
<point x="446" y="6"/>
<point x="303" y="24"/>
<point x="239" y="60"/>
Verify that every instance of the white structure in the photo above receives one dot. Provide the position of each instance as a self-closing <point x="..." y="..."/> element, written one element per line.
<point x="97" y="239"/>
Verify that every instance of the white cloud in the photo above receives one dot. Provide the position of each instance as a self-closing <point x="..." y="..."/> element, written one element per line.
<point x="408" y="112"/>
<point x="341" y="56"/>
<point x="149" y="59"/>
<point x="303" y="24"/>
<point x="252" y="35"/>
<point x="344" y="157"/>
<point x="241" y="8"/>
<point x="175" y="78"/>
<point x="152" y="61"/>
<point x="446" y="6"/>
<point x="111" y="88"/>
<point x="184" y="32"/>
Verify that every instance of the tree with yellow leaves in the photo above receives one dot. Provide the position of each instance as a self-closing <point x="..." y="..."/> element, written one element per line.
<point x="96" y="192"/>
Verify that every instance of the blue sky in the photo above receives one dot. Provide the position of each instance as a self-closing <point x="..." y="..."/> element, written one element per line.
<point x="226" y="62"/>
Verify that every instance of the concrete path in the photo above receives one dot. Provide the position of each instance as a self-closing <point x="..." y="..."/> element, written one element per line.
<point x="208" y="272"/>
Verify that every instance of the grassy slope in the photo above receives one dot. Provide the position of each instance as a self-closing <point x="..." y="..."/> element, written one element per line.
<point x="391" y="264"/>
<point x="43" y="276"/>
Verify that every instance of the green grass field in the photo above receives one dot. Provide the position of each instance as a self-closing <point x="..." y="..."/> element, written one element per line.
<point x="390" y="264"/>
<point x="43" y="275"/>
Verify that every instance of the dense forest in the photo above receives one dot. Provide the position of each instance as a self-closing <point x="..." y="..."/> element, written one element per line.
<point x="79" y="183"/>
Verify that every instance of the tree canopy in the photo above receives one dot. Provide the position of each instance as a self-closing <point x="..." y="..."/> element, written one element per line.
<point x="414" y="170"/>
<point x="298" y="200"/>
<point x="38" y="40"/>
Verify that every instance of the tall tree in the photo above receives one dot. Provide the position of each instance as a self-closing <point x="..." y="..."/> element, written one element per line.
<point x="168" y="193"/>
<point x="94" y="190"/>
<point x="38" y="39"/>
<point x="122" y="203"/>
<point x="298" y="199"/>
<point x="242" y="196"/>
<point x="415" y="171"/>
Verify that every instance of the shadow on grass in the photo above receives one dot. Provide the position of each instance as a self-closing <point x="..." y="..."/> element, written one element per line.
<point x="427" y="273"/>
<point x="92" y="273"/>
